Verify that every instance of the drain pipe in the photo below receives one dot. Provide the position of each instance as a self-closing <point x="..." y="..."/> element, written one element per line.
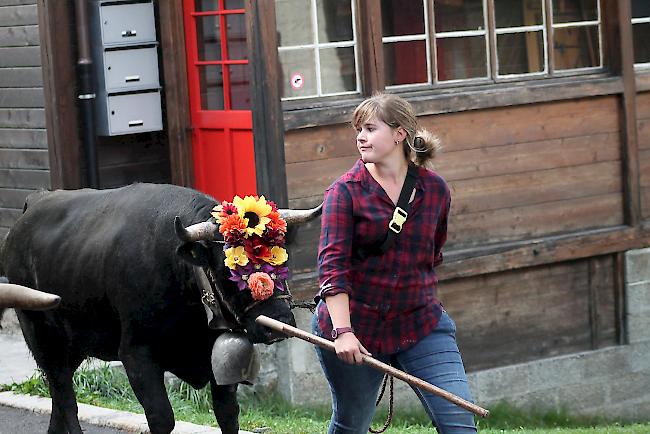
<point x="86" y="94"/>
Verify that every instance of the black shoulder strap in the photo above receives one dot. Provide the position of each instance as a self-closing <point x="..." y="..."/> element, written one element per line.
<point x="399" y="216"/>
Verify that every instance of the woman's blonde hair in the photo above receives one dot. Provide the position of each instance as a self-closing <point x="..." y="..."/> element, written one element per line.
<point x="420" y="145"/>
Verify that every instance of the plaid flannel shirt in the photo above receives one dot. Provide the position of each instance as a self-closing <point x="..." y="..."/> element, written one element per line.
<point x="393" y="297"/>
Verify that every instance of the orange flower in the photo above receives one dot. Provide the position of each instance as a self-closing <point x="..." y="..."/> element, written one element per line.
<point x="222" y="212"/>
<point x="277" y="223"/>
<point x="261" y="285"/>
<point x="232" y="222"/>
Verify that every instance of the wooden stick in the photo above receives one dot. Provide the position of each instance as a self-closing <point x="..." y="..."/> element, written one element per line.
<point x="374" y="363"/>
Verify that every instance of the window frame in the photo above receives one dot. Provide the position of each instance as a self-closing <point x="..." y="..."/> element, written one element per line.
<point x="642" y="20"/>
<point x="369" y="54"/>
<point x="316" y="46"/>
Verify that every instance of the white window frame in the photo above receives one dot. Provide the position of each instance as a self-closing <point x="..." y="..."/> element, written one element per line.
<point x="643" y="20"/>
<point x="598" y="23"/>
<point x="317" y="46"/>
<point x="409" y="38"/>
<point x="466" y="33"/>
<point x="522" y="29"/>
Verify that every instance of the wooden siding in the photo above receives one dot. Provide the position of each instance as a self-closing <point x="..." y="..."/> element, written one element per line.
<point x="24" y="162"/>
<point x="531" y="313"/>
<point x="133" y="158"/>
<point x="643" y="128"/>
<point x="515" y="173"/>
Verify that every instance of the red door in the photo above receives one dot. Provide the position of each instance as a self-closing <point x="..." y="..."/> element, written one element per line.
<point x="219" y="86"/>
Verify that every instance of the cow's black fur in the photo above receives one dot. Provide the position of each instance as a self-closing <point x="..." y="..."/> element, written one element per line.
<point x="126" y="295"/>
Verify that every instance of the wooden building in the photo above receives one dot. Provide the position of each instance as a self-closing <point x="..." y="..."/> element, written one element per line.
<point x="542" y="106"/>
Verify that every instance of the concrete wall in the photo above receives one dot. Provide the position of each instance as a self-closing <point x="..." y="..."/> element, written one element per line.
<point x="613" y="381"/>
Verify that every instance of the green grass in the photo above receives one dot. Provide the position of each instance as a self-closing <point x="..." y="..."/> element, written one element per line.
<point x="108" y="387"/>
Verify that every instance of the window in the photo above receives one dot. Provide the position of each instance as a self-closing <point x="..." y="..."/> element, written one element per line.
<point x="317" y="47"/>
<point x="641" y="31"/>
<point x="430" y="43"/>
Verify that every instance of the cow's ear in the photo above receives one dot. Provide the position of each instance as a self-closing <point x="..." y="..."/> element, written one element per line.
<point x="194" y="253"/>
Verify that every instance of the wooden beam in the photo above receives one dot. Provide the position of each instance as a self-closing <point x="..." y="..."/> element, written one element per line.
<point x="59" y="78"/>
<point x="545" y="250"/>
<point x="630" y="152"/>
<point x="619" y="297"/>
<point x="592" y="291"/>
<point x="179" y="126"/>
<point x="268" y="127"/>
<point x="453" y="100"/>
<point x="521" y="254"/>
<point x="372" y="52"/>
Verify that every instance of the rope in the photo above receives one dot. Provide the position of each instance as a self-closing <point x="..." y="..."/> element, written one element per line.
<point x="304" y="305"/>
<point x="389" y="418"/>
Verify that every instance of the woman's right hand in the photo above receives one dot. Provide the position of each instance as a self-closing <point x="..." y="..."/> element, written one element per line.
<point x="349" y="349"/>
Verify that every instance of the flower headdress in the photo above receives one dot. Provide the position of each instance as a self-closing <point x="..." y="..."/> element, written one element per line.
<point x="254" y="234"/>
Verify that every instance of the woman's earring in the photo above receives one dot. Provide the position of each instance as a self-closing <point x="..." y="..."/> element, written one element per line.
<point x="396" y="142"/>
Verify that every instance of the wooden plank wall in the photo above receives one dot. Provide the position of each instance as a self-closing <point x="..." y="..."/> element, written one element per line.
<point x="24" y="164"/>
<point x="133" y="158"/>
<point x="643" y="128"/>
<point x="516" y="174"/>
<point x="530" y="313"/>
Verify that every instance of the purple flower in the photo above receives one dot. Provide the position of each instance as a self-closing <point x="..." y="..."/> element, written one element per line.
<point x="240" y="275"/>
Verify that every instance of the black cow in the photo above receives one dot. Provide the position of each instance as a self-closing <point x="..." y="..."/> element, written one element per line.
<point x="129" y="292"/>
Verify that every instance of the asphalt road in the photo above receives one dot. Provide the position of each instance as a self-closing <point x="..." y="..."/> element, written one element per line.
<point x="17" y="421"/>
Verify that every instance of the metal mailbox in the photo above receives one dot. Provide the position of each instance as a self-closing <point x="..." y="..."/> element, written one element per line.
<point x="125" y="54"/>
<point x="127" y="23"/>
<point x="126" y="70"/>
<point x="126" y="115"/>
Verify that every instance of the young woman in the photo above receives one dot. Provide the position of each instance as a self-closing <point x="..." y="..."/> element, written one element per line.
<point x="385" y="304"/>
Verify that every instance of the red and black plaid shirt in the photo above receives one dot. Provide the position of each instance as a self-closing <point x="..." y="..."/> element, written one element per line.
<point x="393" y="300"/>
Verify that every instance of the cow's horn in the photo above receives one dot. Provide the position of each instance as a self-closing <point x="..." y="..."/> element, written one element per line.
<point x="298" y="216"/>
<point x="22" y="297"/>
<point x="204" y="231"/>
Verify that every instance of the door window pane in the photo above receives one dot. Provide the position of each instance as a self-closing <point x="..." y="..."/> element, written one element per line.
<point x="566" y="11"/>
<point x="293" y="19"/>
<point x="461" y="58"/>
<point x="208" y="37"/>
<point x="405" y="62"/>
<point x="236" y="30"/>
<point x="518" y="13"/>
<point x="211" y="87"/>
<point x="401" y="18"/>
<point x="334" y="20"/>
<point x="206" y="5"/>
<point x="520" y="53"/>
<point x="338" y="70"/>
<point x="641" y="42"/>
<point x="458" y="15"/>
<point x="234" y="4"/>
<point x="576" y="47"/>
<point x="298" y="73"/>
<point x="240" y="95"/>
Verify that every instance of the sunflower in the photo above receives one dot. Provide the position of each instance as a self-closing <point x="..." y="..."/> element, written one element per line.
<point x="254" y="212"/>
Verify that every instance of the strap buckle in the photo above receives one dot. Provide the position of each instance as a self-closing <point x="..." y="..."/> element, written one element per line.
<point x="399" y="218"/>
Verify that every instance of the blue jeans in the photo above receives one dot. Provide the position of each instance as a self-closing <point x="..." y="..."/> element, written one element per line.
<point x="435" y="359"/>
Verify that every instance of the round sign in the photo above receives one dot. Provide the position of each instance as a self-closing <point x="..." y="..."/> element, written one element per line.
<point x="297" y="81"/>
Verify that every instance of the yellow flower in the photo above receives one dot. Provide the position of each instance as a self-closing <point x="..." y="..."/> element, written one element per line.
<point x="236" y="256"/>
<point x="254" y="212"/>
<point x="278" y="256"/>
